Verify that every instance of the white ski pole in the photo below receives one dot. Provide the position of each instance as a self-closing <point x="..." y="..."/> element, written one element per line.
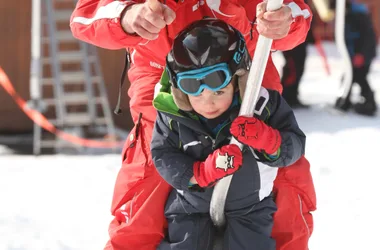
<point x="251" y="94"/>
<point x="35" y="69"/>
<point x="323" y="10"/>
<point x="342" y="48"/>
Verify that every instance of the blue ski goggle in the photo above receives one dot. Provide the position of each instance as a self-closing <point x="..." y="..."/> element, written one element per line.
<point x="214" y="78"/>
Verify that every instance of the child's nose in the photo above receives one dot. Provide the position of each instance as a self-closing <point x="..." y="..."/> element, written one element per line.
<point x="208" y="102"/>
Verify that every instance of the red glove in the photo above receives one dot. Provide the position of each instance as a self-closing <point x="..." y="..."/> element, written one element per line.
<point x="224" y="161"/>
<point x="358" y="60"/>
<point x="255" y="133"/>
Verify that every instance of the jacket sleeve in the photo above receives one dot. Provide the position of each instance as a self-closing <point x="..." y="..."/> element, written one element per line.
<point x="98" y="22"/>
<point x="234" y="13"/>
<point x="170" y="161"/>
<point x="298" y="31"/>
<point x="275" y="112"/>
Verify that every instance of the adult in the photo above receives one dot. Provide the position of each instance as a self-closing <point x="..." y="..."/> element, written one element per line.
<point x="147" y="29"/>
<point x="293" y="71"/>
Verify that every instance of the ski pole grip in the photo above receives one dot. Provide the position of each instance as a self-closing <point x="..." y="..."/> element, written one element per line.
<point x="273" y="5"/>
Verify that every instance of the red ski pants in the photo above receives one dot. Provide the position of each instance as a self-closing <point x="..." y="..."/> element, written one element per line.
<point x="140" y="195"/>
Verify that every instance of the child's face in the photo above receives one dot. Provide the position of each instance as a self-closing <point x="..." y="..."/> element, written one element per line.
<point x="212" y="104"/>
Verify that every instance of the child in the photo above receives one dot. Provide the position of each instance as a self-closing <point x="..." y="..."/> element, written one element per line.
<point x="198" y="105"/>
<point x="361" y="43"/>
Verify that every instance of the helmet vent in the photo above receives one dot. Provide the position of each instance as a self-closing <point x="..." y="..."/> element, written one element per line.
<point x="198" y="61"/>
<point x="233" y="46"/>
<point x="192" y="57"/>
<point x="205" y="55"/>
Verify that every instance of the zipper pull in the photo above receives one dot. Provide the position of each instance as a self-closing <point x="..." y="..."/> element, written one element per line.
<point x="213" y="144"/>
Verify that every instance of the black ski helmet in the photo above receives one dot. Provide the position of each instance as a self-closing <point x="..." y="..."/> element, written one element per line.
<point x="205" y="43"/>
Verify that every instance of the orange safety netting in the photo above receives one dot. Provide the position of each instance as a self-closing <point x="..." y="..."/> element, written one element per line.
<point x="43" y="122"/>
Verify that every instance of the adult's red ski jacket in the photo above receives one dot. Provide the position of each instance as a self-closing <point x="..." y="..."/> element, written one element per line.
<point x="140" y="193"/>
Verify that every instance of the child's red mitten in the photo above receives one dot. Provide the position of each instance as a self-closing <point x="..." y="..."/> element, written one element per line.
<point x="222" y="162"/>
<point x="255" y="133"/>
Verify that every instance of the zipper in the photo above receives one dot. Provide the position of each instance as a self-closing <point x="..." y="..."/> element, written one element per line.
<point x="213" y="142"/>
<point x="137" y="129"/>
<point x="127" y="65"/>
<point x="303" y="217"/>
<point x="217" y="134"/>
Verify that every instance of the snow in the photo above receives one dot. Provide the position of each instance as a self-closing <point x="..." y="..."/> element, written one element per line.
<point x="62" y="202"/>
<point x="55" y="202"/>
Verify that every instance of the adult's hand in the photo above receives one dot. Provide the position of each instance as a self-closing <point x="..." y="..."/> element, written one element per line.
<point x="273" y="24"/>
<point x="147" y="19"/>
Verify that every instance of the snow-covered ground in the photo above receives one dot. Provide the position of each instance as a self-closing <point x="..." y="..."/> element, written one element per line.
<point x="62" y="202"/>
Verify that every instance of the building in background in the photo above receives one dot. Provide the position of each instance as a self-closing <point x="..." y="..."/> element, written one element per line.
<point x="15" y="54"/>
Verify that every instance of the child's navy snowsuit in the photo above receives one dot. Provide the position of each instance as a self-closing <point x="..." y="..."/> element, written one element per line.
<point x="180" y="139"/>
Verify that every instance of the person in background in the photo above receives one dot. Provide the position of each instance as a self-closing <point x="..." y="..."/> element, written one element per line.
<point x="293" y="71"/>
<point x="361" y="42"/>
